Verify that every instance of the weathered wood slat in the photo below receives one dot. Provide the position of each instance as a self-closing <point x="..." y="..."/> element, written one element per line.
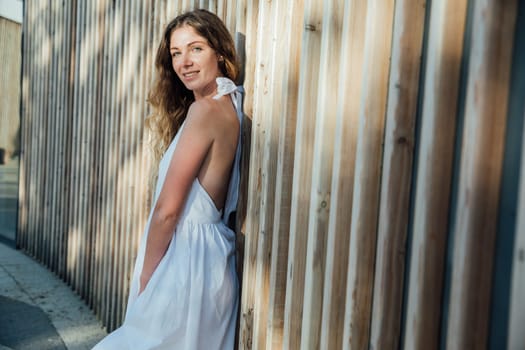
<point x="338" y="240"/>
<point x="397" y="174"/>
<point x="365" y="202"/>
<point x="434" y="173"/>
<point x="288" y="78"/>
<point x="253" y="200"/>
<point x="320" y="191"/>
<point x="480" y="173"/>
<point x="106" y="174"/>
<point x="24" y="138"/>
<point x="266" y="115"/>
<point x="302" y="181"/>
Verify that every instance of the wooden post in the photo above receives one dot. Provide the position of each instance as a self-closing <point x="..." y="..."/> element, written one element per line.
<point x="287" y="113"/>
<point x="320" y="190"/>
<point x="397" y="173"/>
<point x="434" y="173"/>
<point x="302" y="181"/>
<point x="365" y="202"/>
<point x="338" y="240"/>
<point x="254" y="190"/>
<point x="480" y="173"/>
<point x="271" y="63"/>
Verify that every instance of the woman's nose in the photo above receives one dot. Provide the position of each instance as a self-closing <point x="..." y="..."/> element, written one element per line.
<point x="186" y="60"/>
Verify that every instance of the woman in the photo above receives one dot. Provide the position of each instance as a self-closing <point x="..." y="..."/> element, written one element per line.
<point x="184" y="292"/>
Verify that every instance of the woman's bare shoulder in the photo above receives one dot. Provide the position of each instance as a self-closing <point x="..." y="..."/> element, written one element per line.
<point x="213" y="113"/>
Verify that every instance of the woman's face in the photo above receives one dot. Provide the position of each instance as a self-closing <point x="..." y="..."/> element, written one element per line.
<point x="194" y="61"/>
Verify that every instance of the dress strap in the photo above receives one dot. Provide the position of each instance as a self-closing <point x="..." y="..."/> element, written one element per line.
<point x="227" y="87"/>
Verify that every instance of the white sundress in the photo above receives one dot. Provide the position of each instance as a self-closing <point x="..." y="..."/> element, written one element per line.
<point x="191" y="299"/>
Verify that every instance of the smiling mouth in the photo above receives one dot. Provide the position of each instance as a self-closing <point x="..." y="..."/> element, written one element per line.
<point x="190" y="74"/>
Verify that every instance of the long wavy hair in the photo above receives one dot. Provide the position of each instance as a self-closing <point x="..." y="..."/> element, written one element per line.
<point x="169" y="97"/>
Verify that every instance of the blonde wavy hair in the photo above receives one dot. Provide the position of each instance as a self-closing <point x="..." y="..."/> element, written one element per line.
<point x="169" y="98"/>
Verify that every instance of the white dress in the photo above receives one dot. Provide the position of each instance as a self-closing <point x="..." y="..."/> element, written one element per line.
<point x="191" y="299"/>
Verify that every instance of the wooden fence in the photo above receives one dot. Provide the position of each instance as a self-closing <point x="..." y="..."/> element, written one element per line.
<point x="381" y="207"/>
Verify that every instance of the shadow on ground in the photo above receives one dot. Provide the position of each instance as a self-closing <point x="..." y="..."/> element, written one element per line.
<point x="26" y="327"/>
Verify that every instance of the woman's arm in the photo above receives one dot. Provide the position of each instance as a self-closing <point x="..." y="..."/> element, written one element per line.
<point x="191" y="150"/>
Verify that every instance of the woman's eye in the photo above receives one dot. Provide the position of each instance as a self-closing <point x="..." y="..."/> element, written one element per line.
<point x="197" y="49"/>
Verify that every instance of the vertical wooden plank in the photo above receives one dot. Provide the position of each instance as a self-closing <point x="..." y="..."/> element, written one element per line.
<point x="99" y="201"/>
<point x="50" y="139"/>
<point x="303" y="161"/>
<point x="289" y="78"/>
<point x="230" y="15"/>
<point x="480" y="173"/>
<point x="58" y="38"/>
<point x="434" y="172"/>
<point x="94" y="182"/>
<point x="86" y="80"/>
<point x="222" y="4"/>
<point x="88" y="150"/>
<point x="130" y="120"/>
<point x="397" y="173"/>
<point x="44" y="155"/>
<point x="34" y="103"/>
<point x="318" y="222"/>
<point x="184" y="6"/>
<point x="61" y="34"/>
<point x="33" y="199"/>
<point x="270" y="88"/>
<point x="516" y="340"/>
<point x="74" y="193"/>
<point x="71" y="54"/>
<point x="100" y="117"/>
<point x="122" y="195"/>
<point x="252" y="210"/>
<point x="264" y="136"/>
<point x="212" y="5"/>
<point x="111" y="215"/>
<point x="24" y="114"/>
<point x="367" y="174"/>
<point x="142" y="157"/>
<point x="34" y="109"/>
<point x="109" y="101"/>
<point x="120" y="202"/>
<point x="338" y="240"/>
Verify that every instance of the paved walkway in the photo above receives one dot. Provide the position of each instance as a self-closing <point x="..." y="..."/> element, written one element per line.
<point x="38" y="311"/>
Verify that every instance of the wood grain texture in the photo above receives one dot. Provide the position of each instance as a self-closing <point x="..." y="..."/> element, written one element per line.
<point x="303" y="161"/>
<point x="254" y="184"/>
<point x="480" y="173"/>
<point x="320" y="190"/>
<point x="267" y="117"/>
<point x="397" y="173"/>
<point x="434" y="173"/>
<point x="365" y="202"/>
<point x="338" y="240"/>
<point x="289" y="78"/>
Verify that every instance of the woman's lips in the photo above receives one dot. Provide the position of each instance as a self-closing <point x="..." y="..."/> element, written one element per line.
<point x="190" y="75"/>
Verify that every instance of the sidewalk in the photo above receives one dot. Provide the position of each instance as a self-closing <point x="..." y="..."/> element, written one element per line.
<point x="38" y="311"/>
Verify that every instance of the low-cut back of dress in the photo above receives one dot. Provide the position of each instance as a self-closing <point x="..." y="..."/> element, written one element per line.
<point x="191" y="299"/>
